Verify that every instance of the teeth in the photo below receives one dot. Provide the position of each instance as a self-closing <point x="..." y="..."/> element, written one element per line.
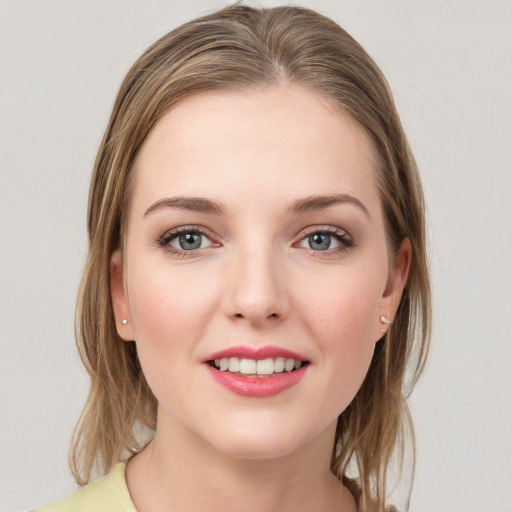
<point x="234" y="364"/>
<point x="289" y="365"/>
<point x="257" y="366"/>
<point x="265" y="367"/>
<point x="247" y="366"/>
<point x="279" y="364"/>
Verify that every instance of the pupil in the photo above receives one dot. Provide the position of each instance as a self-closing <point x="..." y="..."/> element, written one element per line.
<point x="319" y="241"/>
<point x="190" y="241"/>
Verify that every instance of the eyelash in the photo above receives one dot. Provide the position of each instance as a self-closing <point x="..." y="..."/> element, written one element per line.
<point x="345" y="240"/>
<point x="341" y="236"/>
<point x="165" y="240"/>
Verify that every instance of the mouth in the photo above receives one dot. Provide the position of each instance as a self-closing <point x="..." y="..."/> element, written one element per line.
<point x="262" y="368"/>
<point x="257" y="372"/>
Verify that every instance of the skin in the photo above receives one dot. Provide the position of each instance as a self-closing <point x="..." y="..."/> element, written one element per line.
<point x="256" y="280"/>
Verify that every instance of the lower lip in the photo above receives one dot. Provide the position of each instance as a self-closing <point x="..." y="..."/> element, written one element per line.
<point x="257" y="387"/>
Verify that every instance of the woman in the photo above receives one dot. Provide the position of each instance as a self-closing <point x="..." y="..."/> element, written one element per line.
<point x="256" y="285"/>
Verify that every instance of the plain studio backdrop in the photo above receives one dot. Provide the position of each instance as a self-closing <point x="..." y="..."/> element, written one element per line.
<point x="449" y="63"/>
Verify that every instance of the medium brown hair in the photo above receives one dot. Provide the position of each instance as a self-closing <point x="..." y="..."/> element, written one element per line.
<point x="238" y="48"/>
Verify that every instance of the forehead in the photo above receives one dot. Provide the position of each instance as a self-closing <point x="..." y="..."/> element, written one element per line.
<point x="281" y="140"/>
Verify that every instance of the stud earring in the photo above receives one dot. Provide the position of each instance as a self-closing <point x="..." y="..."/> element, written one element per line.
<point x="124" y="322"/>
<point x="386" y="321"/>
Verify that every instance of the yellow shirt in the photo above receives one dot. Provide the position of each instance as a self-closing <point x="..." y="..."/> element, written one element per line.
<point x="110" y="494"/>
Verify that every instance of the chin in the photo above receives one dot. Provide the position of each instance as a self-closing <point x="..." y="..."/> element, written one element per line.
<point x="264" y="442"/>
<point x="262" y="450"/>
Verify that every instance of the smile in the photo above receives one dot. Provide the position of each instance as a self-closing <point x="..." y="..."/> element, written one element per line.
<point x="257" y="372"/>
<point x="257" y="367"/>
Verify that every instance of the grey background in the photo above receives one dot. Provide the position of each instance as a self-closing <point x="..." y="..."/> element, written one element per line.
<point x="450" y="66"/>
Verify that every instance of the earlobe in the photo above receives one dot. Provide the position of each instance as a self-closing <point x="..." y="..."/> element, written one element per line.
<point x="397" y="280"/>
<point x="119" y="298"/>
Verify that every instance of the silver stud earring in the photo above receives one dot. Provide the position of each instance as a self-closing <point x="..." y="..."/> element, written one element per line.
<point x="124" y="322"/>
<point x="386" y="321"/>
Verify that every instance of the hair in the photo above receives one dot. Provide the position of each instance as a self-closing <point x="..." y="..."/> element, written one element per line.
<point x="239" y="48"/>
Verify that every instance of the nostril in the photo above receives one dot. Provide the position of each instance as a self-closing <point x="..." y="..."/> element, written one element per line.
<point x="272" y="315"/>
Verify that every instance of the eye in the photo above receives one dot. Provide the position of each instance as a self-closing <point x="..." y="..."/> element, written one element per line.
<point x="327" y="240"/>
<point x="319" y="241"/>
<point x="187" y="239"/>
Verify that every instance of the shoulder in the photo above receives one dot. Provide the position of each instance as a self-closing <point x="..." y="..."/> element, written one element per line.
<point x="110" y="494"/>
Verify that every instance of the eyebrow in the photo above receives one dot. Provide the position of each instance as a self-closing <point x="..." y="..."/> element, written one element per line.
<point x="196" y="204"/>
<point x="304" y="205"/>
<point x="317" y="203"/>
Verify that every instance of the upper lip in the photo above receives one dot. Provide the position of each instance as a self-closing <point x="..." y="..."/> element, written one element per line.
<point x="247" y="352"/>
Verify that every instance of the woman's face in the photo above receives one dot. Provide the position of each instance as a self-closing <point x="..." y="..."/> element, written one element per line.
<point x="255" y="240"/>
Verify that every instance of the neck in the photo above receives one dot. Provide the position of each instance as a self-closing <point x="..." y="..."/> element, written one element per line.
<point x="179" y="472"/>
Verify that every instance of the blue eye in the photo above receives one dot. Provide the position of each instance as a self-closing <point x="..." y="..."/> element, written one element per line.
<point x="319" y="241"/>
<point x="326" y="240"/>
<point x="183" y="240"/>
<point x="188" y="241"/>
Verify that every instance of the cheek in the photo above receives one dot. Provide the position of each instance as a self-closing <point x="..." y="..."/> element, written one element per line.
<point x="170" y="309"/>
<point x="341" y="312"/>
<point x="343" y="304"/>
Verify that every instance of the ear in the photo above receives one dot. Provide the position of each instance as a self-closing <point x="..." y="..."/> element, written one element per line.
<point x="119" y="297"/>
<point x="397" y="279"/>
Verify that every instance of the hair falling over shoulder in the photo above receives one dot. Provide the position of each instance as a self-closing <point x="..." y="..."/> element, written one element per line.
<point x="239" y="48"/>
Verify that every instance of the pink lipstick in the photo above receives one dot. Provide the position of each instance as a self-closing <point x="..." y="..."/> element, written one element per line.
<point x="255" y="353"/>
<point x="256" y="372"/>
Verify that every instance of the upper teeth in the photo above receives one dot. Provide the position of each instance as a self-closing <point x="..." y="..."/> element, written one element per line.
<point x="257" y="366"/>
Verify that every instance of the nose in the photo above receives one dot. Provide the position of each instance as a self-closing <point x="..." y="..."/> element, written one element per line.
<point x="257" y="288"/>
